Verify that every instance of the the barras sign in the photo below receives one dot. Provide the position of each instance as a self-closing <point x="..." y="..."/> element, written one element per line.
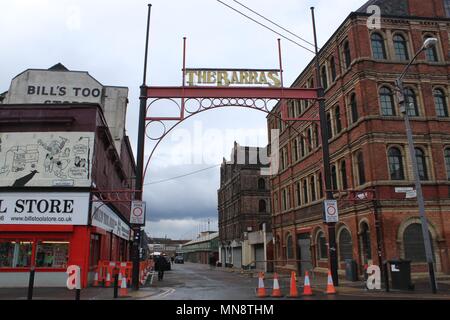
<point x="233" y="77"/>
<point x="33" y="208"/>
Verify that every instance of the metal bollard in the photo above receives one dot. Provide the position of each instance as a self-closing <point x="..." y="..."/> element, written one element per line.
<point x="386" y="275"/>
<point x="116" y="286"/>
<point x="31" y="283"/>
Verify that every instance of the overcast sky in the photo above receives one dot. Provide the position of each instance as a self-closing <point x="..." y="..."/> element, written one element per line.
<point x="106" y="38"/>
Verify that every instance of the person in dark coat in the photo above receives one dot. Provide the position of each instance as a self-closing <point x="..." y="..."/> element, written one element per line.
<point x="160" y="266"/>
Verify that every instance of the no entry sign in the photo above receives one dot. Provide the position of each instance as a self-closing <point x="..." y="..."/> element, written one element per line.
<point x="137" y="213"/>
<point x="331" y="211"/>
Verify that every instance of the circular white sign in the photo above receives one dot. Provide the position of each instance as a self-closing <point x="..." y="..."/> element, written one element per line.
<point x="331" y="210"/>
<point x="137" y="212"/>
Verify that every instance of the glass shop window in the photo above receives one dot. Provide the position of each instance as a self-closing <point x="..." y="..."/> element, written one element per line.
<point x="52" y="254"/>
<point x="15" y="254"/>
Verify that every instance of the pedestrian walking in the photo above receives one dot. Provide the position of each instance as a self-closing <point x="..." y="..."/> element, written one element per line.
<point x="160" y="262"/>
<point x="172" y="259"/>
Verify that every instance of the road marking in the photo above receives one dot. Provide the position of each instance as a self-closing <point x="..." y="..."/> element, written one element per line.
<point x="164" y="294"/>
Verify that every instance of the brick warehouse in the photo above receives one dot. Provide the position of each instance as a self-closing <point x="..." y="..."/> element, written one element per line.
<point x="244" y="210"/>
<point x="62" y="140"/>
<point x="368" y="145"/>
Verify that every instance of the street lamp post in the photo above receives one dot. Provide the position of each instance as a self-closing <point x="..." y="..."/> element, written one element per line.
<point x="404" y="105"/>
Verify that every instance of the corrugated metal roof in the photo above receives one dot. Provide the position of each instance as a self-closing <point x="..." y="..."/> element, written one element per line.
<point x="206" y="238"/>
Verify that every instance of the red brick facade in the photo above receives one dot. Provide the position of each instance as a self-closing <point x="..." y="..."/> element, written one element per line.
<point x="363" y="133"/>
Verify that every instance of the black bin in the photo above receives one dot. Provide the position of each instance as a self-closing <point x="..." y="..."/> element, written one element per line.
<point x="351" y="270"/>
<point x="400" y="271"/>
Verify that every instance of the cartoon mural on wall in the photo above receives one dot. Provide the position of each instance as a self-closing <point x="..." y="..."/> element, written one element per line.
<point x="46" y="159"/>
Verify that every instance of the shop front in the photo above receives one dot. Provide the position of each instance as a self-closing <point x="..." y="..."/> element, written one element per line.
<point x="49" y="231"/>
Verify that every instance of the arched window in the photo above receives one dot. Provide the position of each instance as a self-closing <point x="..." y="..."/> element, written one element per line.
<point x="345" y="245"/>
<point x="344" y="175"/>
<point x="411" y="102"/>
<point x="387" y="102"/>
<point x="334" y="184"/>
<point x="262" y="206"/>
<point x="378" y="48"/>
<point x="321" y="185"/>
<point x="400" y="47"/>
<point x="337" y="119"/>
<point x="396" y="164"/>
<point x="421" y="164"/>
<point x="324" y="78"/>
<point x="354" y="108"/>
<point x="347" y="55"/>
<point x="365" y="242"/>
<point x="333" y="69"/>
<point x="309" y="138"/>
<point x="261" y="184"/>
<point x="440" y="103"/>
<point x="289" y="248"/>
<point x="329" y="126"/>
<point x="413" y="243"/>
<point x="316" y="135"/>
<point x="447" y="162"/>
<point x="312" y="185"/>
<point x="295" y="150"/>
<point x="305" y="192"/>
<point x="298" y="193"/>
<point x="431" y="52"/>
<point x="302" y="146"/>
<point x="360" y="168"/>
<point x="322" y="248"/>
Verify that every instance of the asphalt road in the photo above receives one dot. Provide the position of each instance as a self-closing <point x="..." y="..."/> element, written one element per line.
<point x="199" y="282"/>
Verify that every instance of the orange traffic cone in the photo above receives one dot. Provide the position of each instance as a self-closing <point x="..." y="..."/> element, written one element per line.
<point x="294" y="291"/>
<point x="330" y="286"/>
<point x="276" y="292"/>
<point x="123" y="292"/>
<point x="307" y="291"/>
<point x="108" y="279"/>
<point x="261" y="289"/>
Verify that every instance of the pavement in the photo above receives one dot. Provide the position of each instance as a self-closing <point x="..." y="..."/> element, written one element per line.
<point x="201" y="282"/>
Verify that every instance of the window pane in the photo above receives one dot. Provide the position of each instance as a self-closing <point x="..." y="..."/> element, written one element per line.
<point x="345" y="245"/>
<point x="440" y="103"/>
<point x="354" y="108"/>
<point x="344" y="176"/>
<point x="400" y="47"/>
<point x="447" y="7"/>
<point x="447" y="162"/>
<point x="396" y="164"/>
<point x="333" y="69"/>
<point x="15" y="254"/>
<point x="413" y="242"/>
<point x="52" y="254"/>
<point x="421" y="164"/>
<point x="411" y="101"/>
<point x="337" y="115"/>
<point x="378" y="49"/>
<point x="289" y="248"/>
<point x="361" y="170"/>
<point x="347" y="55"/>
<point x="322" y="246"/>
<point x="387" y="102"/>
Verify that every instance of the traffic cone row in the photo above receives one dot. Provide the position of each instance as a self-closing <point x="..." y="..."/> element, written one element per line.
<point x="293" y="293"/>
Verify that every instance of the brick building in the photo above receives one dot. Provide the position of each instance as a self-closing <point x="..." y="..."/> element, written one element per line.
<point x="62" y="140"/>
<point x="368" y="145"/>
<point x="244" y="209"/>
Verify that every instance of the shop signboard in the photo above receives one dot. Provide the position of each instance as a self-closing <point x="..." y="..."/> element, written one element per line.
<point x="49" y="208"/>
<point x="46" y="159"/>
<point x="104" y="217"/>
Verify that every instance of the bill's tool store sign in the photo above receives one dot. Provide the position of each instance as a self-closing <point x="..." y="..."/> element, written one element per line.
<point x="44" y="208"/>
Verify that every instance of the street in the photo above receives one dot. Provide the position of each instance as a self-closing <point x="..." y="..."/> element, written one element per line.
<point x="199" y="282"/>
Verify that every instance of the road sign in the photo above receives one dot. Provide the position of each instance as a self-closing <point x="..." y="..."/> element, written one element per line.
<point x="403" y="190"/>
<point x="137" y="216"/>
<point x="331" y="211"/>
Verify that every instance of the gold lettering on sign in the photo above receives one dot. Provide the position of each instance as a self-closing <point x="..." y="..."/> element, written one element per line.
<point x="226" y="78"/>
